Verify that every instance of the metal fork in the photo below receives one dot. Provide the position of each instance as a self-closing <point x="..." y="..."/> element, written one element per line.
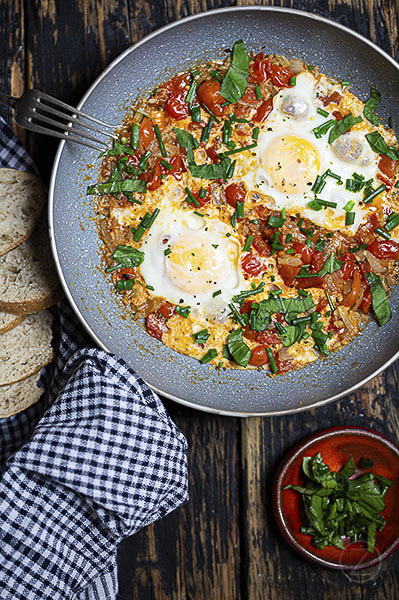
<point x="36" y="110"/>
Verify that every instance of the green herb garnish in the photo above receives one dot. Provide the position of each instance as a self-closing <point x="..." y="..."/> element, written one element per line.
<point x="370" y="106"/>
<point x="381" y="307"/>
<point x="235" y="81"/>
<point x="238" y="350"/>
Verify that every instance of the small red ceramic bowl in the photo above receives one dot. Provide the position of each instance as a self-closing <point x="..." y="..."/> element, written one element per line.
<point x="336" y="445"/>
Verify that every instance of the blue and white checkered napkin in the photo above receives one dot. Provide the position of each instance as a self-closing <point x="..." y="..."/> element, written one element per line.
<point x="96" y="459"/>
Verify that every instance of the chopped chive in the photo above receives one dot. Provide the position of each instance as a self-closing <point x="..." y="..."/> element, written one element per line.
<point x="258" y="92"/>
<point x="350" y="218"/>
<point x="255" y="133"/>
<point x="234" y="219"/>
<point x="329" y="173"/>
<point x="357" y="248"/>
<point x="149" y="287"/>
<point x="242" y="120"/>
<point x="225" y="104"/>
<point x="132" y="199"/>
<point x="230" y="144"/>
<point x="210" y="355"/>
<point x="248" y="242"/>
<point x="302" y="320"/>
<point x="327" y="203"/>
<point x="151" y="220"/>
<point x="323" y="128"/>
<point x="392" y="222"/>
<point x="396" y="184"/>
<point x="382" y="233"/>
<point x="216" y="75"/>
<point x="315" y="205"/>
<point x="272" y="360"/>
<point x="230" y="170"/>
<point x="201" y="336"/>
<point x="138" y="234"/>
<point x="202" y="193"/>
<point x="276" y="221"/>
<point x="311" y="67"/>
<point x="226" y="131"/>
<point x="198" y="213"/>
<point x="241" y="149"/>
<point x="134" y="140"/>
<point x="210" y="113"/>
<point x="127" y="284"/>
<point x="237" y="315"/>
<point x="144" y="159"/>
<point x="240" y="209"/>
<point x="217" y="293"/>
<point x="330" y="301"/>
<point x="160" y="140"/>
<point x="232" y="118"/>
<point x="348" y="206"/>
<point x="288" y="238"/>
<point x="345" y="83"/>
<point x="370" y="197"/>
<point x="293" y="80"/>
<point x="322" y="112"/>
<point x="167" y="251"/>
<point x="207" y="130"/>
<point x="280" y="328"/>
<point x="290" y="251"/>
<point x="318" y="185"/>
<point x="167" y="165"/>
<point x="183" y="311"/>
<point x="191" y="92"/>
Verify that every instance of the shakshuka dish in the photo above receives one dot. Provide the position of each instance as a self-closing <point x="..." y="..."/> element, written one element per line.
<point x="249" y="212"/>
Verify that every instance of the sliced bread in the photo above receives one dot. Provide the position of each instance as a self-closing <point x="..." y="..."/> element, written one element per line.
<point x="28" y="277"/>
<point x="22" y="199"/>
<point x="8" y="321"/>
<point x="26" y="348"/>
<point x="18" y="396"/>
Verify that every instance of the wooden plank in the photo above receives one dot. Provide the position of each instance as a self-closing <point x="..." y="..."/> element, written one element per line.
<point x="194" y="552"/>
<point x="12" y="51"/>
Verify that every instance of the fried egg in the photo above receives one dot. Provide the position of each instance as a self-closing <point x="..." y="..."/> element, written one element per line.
<point x="192" y="260"/>
<point x="290" y="155"/>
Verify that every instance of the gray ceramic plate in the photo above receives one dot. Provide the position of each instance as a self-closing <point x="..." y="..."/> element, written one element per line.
<point x="339" y="53"/>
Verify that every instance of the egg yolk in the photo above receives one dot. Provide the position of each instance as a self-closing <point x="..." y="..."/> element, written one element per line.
<point x="197" y="262"/>
<point x="292" y="164"/>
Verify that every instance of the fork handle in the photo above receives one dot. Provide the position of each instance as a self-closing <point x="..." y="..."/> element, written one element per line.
<point x="8" y="100"/>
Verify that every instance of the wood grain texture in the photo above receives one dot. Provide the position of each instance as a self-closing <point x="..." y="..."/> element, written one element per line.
<point x="223" y="544"/>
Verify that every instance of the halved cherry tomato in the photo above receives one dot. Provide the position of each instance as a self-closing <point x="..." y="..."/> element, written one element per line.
<point x="176" y="106"/>
<point x="387" y="166"/>
<point x="348" y="266"/>
<point x="355" y="292"/>
<point x="305" y="252"/>
<point x="257" y="68"/>
<point x="176" y="83"/>
<point x="235" y="192"/>
<point x="213" y="155"/>
<point x="179" y="164"/>
<point x="208" y="94"/>
<point x="384" y="249"/>
<point x="338" y="115"/>
<point x="263" y="111"/>
<point x="166" y="310"/>
<point x="249" y="333"/>
<point x="279" y="75"/>
<point x="259" y="356"/>
<point x="249" y="96"/>
<point x="246" y="307"/>
<point x="147" y="132"/>
<point x="288" y="273"/>
<point x="252" y="265"/>
<point x="155" y="178"/>
<point x="269" y="338"/>
<point x="156" y="325"/>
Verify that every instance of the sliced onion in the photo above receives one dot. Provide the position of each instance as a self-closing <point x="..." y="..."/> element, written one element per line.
<point x="293" y="261"/>
<point x="284" y="354"/>
<point x="344" y="316"/>
<point x="296" y="66"/>
<point x="374" y="263"/>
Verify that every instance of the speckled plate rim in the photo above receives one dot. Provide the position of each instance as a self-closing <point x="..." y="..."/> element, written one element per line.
<point x="68" y="294"/>
<point x="331" y="432"/>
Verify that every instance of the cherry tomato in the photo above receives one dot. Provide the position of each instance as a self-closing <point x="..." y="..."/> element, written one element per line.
<point x="246" y="307"/>
<point x="257" y="68"/>
<point x="249" y="333"/>
<point x="384" y="249"/>
<point x="156" y="325"/>
<point x="338" y="115"/>
<point x="235" y="192"/>
<point x="348" y="266"/>
<point x="269" y="338"/>
<point x="176" y="83"/>
<point x="208" y="94"/>
<point x="156" y="181"/>
<point x="387" y="166"/>
<point x="279" y="75"/>
<point x="305" y="252"/>
<point x="252" y="265"/>
<point x="249" y="96"/>
<point x="259" y="356"/>
<point x="176" y="106"/>
<point x="179" y="164"/>
<point x="147" y="132"/>
<point x="166" y="310"/>
<point x="263" y="111"/>
<point x="213" y="155"/>
<point x="132" y="159"/>
<point x="288" y="273"/>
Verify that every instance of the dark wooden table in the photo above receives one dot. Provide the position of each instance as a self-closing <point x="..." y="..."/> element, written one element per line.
<point x="223" y="544"/>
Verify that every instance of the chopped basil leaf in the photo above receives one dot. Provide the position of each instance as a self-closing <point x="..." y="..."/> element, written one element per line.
<point x="342" y="127"/>
<point x="331" y="265"/>
<point x="371" y="105"/>
<point x="238" y="349"/>
<point x="183" y="311"/>
<point x="118" y="187"/>
<point x="210" y="355"/>
<point x="185" y="139"/>
<point x="126" y="256"/>
<point x="235" y="81"/>
<point x="118" y="149"/>
<point x="379" y="145"/>
<point x="381" y="307"/>
<point x="320" y="338"/>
